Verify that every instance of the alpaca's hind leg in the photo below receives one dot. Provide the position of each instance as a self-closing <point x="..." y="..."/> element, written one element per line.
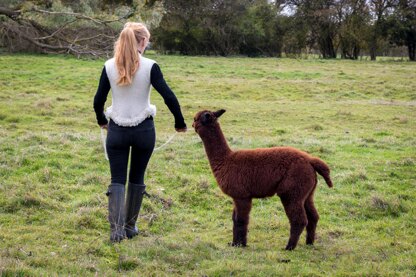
<point x="295" y="211"/>
<point x="241" y="214"/>
<point x="313" y="218"/>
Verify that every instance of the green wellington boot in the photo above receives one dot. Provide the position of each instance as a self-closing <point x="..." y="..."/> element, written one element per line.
<point x="115" y="195"/>
<point x="134" y="199"/>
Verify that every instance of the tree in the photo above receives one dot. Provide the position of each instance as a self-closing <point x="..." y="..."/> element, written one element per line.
<point x="220" y="27"/>
<point x="263" y="29"/>
<point x="52" y="27"/>
<point x="295" y="39"/>
<point x="354" y="21"/>
<point x="180" y="28"/>
<point x="402" y="26"/>
<point x="321" y="18"/>
<point x="379" y="10"/>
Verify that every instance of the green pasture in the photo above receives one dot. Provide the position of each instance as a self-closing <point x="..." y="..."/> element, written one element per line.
<point x="358" y="116"/>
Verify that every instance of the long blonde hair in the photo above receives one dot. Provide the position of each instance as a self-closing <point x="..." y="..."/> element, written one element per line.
<point x="126" y="51"/>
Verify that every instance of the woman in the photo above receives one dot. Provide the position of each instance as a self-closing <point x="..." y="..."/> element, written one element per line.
<point x="130" y="75"/>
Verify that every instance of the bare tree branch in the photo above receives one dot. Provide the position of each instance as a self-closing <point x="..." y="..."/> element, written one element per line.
<point x="57" y="31"/>
<point x="13" y="14"/>
<point x="83" y="16"/>
<point x="94" y="37"/>
<point x="63" y="38"/>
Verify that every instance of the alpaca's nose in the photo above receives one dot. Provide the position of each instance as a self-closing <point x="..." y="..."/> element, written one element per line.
<point x="193" y="124"/>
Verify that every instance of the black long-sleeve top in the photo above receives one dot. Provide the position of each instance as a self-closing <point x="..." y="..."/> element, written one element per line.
<point x="157" y="81"/>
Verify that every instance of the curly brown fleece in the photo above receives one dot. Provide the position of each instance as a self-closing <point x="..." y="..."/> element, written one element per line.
<point x="258" y="173"/>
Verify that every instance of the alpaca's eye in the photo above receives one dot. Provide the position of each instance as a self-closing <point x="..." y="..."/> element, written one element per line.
<point x="206" y="118"/>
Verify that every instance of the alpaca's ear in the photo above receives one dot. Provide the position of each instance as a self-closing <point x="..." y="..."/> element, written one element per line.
<point x="219" y="113"/>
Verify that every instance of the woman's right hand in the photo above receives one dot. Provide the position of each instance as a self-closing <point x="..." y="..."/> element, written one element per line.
<point x="105" y="126"/>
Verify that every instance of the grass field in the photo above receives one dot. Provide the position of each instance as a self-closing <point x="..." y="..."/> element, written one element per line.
<point x="358" y="116"/>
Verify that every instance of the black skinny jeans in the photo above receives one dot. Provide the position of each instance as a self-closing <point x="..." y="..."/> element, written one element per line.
<point x="141" y="139"/>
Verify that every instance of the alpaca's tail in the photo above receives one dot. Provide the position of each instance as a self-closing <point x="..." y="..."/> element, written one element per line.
<point x="323" y="170"/>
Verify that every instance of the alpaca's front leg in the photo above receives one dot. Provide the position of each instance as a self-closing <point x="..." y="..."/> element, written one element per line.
<point x="241" y="214"/>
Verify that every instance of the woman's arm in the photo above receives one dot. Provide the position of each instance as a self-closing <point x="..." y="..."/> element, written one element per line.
<point x="159" y="83"/>
<point x="101" y="97"/>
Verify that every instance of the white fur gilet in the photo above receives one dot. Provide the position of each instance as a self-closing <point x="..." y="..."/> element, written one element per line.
<point x="130" y="104"/>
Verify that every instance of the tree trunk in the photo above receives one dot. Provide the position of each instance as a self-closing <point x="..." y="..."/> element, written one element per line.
<point x="344" y="53"/>
<point x="373" y="43"/>
<point x="373" y="48"/>
<point x="356" y="52"/>
<point x="411" y="46"/>
<point x="327" y="48"/>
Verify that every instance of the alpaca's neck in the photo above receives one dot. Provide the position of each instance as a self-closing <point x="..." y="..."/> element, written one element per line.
<point x="216" y="146"/>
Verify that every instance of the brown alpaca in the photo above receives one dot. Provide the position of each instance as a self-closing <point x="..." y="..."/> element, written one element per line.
<point x="258" y="173"/>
